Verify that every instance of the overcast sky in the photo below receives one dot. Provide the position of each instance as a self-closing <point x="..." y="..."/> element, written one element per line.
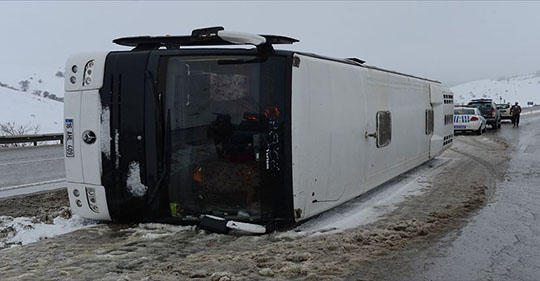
<point x="453" y="42"/>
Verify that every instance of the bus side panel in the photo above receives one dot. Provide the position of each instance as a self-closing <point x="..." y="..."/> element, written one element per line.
<point x="407" y="100"/>
<point x="328" y="126"/>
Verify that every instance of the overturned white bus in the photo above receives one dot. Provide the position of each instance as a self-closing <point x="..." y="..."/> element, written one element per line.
<point x="174" y="133"/>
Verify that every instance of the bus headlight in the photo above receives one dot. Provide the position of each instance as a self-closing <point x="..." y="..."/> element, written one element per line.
<point x="91" y="196"/>
<point x="88" y="71"/>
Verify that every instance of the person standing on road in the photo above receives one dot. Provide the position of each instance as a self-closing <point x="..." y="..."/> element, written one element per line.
<point x="515" y="111"/>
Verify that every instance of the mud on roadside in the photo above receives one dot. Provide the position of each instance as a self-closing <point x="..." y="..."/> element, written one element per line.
<point x="41" y="208"/>
<point x="44" y="206"/>
<point x="372" y="252"/>
<point x="375" y="251"/>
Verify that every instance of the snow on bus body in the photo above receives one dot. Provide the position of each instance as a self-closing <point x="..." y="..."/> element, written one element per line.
<point x="320" y="131"/>
<point x="84" y="112"/>
<point x="469" y="119"/>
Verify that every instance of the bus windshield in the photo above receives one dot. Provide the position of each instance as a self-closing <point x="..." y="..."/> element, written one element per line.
<point x="221" y="118"/>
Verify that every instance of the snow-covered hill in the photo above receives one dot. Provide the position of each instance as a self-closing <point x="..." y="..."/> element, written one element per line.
<point x="24" y="109"/>
<point x="523" y="89"/>
<point x="38" y="79"/>
<point x="40" y="105"/>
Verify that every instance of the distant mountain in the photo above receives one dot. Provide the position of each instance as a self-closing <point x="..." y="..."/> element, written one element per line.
<point x="32" y="97"/>
<point x="523" y="89"/>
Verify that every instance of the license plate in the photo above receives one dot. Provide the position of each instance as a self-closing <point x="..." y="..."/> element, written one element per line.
<point x="460" y="127"/>
<point x="70" y="148"/>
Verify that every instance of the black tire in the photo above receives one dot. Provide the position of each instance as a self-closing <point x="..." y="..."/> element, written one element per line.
<point x="499" y="124"/>
<point x="479" y="131"/>
<point x="494" y="126"/>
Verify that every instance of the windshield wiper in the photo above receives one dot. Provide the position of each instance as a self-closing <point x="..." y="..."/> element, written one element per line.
<point x="166" y="159"/>
<point x="166" y="141"/>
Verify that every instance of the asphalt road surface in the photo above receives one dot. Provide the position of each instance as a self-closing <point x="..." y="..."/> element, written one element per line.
<point x="31" y="168"/>
<point x="502" y="242"/>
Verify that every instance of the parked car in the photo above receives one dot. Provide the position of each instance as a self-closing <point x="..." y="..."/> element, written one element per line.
<point x="469" y="119"/>
<point x="505" y="110"/>
<point x="489" y="110"/>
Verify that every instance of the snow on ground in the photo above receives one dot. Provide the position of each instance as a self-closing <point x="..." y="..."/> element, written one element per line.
<point x="29" y="110"/>
<point x="22" y="230"/>
<point x="373" y="205"/>
<point x="523" y="89"/>
<point x="157" y="230"/>
<point x="40" y="78"/>
<point x="26" y="108"/>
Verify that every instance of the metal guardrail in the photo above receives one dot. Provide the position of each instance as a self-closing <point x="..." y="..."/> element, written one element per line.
<point x="32" y="138"/>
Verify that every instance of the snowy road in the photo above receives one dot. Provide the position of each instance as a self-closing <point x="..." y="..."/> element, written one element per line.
<point x="30" y="169"/>
<point x="503" y="241"/>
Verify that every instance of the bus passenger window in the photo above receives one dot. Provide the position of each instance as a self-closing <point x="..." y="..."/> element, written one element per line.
<point x="384" y="128"/>
<point x="429" y="121"/>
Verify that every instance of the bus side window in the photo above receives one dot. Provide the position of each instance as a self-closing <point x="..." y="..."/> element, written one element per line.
<point x="429" y="121"/>
<point x="384" y="128"/>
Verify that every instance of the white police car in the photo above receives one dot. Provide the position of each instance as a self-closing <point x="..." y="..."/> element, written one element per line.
<point x="469" y="119"/>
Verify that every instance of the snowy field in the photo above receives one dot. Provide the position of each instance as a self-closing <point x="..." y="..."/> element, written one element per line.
<point x="28" y="108"/>
<point x="25" y="109"/>
<point x="39" y="78"/>
<point x="523" y="89"/>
